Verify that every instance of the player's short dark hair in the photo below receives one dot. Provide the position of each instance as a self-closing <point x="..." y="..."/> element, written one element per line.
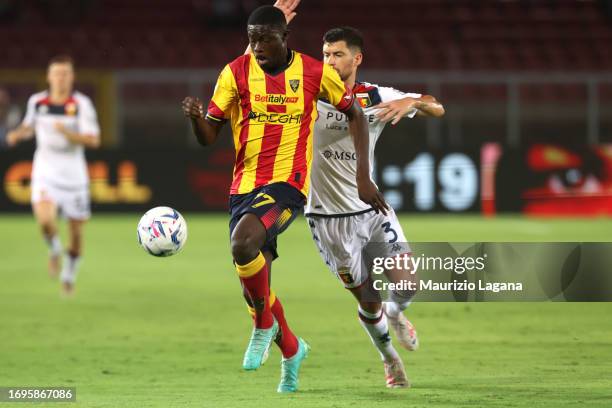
<point x="351" y="36"/>
<point x="267" y="15"/>
<point x="61" y="59"/>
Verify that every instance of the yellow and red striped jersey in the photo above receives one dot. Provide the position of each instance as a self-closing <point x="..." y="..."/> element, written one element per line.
<point x="272" y="117"/>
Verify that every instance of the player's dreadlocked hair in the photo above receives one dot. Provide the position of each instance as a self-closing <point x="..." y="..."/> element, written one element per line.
<point x="267" y="15"/>
<point x="350" y="35"/>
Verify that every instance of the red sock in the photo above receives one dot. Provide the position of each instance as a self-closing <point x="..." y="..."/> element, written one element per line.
<point x="287" y="341"/>
<point x="254" y="278"/>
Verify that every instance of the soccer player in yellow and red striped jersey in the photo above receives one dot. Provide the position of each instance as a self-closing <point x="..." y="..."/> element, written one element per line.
<point x="269" y="97"/>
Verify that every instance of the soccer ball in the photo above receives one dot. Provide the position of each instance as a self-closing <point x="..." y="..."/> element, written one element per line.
<point x="162" y="231"/>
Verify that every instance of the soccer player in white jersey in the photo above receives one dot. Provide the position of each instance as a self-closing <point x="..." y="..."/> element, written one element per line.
<point x="64" y="122"/>
<point x="341" y="224"/>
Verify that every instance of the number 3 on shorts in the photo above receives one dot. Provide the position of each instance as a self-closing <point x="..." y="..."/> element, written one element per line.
<point x="386" y="226"/>
<point x="266" y="199"/>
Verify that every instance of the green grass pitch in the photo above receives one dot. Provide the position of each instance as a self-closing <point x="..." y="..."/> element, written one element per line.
<point x="148" y="332"/>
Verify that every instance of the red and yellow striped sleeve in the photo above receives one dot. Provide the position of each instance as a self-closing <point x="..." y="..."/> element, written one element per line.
<point x="334" y="90"/>
<point x="224" y="96"/>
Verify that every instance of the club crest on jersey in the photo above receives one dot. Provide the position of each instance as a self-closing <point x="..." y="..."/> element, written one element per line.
<point x="345" y="276"/>
<point x="364" y="100"/>
<point x="71" y="109"/>
<point x="294" y="84"/>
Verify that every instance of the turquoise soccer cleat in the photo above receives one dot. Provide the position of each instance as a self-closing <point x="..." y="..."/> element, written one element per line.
<point x="261" y="340"/>
<point x="290" y="368"/>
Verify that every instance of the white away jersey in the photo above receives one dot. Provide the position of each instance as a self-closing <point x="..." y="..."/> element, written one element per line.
<point x="56" y="160"/>
<point x="333" y="188"/>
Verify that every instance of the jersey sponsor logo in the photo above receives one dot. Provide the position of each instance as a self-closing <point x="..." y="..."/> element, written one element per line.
<point x="336" y="155"/>
<point x="276" y="99"/>
<point x="336" y="126"/>
<point x="341" y="117"/>
<point x="294" y="84"/>
<point x="281" y="118"/>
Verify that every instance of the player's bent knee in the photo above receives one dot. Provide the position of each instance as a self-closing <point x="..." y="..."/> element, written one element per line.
<point x="247" y="239"/>
<point x="47" y="226"/>
<point x="368" y="300"/>
<point x="244" y="249"/>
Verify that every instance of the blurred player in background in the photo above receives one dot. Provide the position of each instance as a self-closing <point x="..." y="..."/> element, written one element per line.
<point x="342" y="225"/>
<point x="269" y="96"/>
<point x="65" y="123"/>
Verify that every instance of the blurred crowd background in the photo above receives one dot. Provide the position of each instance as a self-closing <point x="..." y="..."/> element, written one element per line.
<point x="511" y="73"/>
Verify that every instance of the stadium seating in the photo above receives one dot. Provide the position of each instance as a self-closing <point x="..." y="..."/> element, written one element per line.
<point x="527" y="35"/>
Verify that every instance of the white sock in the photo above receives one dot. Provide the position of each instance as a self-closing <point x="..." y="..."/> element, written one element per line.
<point x="70" y="268"/>
<point x="54" y="244"/>
<point x="398" y="302"/>
<point x="379" y="333"/>
<point x="393" y="309"/>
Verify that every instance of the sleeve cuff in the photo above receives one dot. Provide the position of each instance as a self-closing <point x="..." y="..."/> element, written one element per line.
<point x="346" y="104"/>
<point x="214" y="118"/>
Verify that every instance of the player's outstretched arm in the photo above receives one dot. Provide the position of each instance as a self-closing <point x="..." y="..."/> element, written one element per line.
<point x="395" y="110"/>
<point x="368" y="192"/>
<point x="18" y="135"/>
<point x="430" y="107"/>
<point x="205" y="131"/>
<point x="89" y="141"/>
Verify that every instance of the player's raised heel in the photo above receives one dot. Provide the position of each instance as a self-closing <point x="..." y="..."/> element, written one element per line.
<point x="290" y="368"/>
<point x="260" y="342"/>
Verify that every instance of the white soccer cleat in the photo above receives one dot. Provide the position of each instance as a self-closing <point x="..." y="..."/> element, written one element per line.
<point x="404" y="332"/>
<point x="395" y="375"/>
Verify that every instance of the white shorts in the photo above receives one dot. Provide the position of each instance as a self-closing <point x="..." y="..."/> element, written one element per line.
<point x="342" y="240"/>
<point x="72" y="204"/>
